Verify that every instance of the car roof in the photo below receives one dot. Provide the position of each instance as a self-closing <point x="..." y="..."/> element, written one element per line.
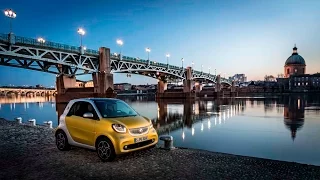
<point x="95" y="99"/>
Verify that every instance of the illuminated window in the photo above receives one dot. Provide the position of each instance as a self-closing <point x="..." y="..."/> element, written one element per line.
<point x="298" y="84"/>
<point x="295" y="70"/>
<point x="306" y="84"/>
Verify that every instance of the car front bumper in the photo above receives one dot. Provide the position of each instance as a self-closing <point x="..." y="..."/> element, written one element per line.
<point x="126" y="143"/>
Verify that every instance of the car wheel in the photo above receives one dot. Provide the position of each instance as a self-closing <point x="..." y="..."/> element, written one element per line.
<point x="62" y="141"/>
<point x="105" y="149"/>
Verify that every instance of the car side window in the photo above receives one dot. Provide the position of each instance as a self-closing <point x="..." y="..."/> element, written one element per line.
<point x="73" y="109"/>
<point x="85" y="107"/>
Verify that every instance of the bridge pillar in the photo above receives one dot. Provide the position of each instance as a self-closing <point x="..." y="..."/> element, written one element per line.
<point x="187" y="83"/>
<point x="233" y="87"/>
<point x="64" y="82"/>
<point x="198" y="87"/>
<point x="162" y="86"/>
<point x="218" y="84"/>
<point x="103" y="80"/>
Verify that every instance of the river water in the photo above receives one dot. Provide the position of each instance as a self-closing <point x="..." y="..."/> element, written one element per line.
<point x="282" y="128"/>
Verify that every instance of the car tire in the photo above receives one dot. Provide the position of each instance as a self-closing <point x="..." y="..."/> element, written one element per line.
<point x="105" y="149"/>
<point x="62" y="141"/>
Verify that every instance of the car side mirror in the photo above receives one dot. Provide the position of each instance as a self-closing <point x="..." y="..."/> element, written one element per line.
<point x="88" y="115"/>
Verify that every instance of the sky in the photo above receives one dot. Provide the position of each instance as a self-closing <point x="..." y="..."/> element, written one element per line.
<point x="234" y="36"/>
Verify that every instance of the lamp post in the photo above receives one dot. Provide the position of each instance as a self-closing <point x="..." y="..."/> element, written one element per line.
<point x="148" y="51"/>
<point x="10" y="14"/>
<point x="120" y="43"/>
<point x="182" y="59"/>
<point x="81" y="32"/>
<point x="41" y="40"/>
<point x="167" y="55"/>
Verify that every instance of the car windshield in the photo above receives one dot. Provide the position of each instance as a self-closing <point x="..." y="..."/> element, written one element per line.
<point x="114" y="108"/>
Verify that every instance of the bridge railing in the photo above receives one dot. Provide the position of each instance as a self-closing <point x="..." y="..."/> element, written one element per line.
<point x="49" y="44"/>
<point x="137" y="60"/>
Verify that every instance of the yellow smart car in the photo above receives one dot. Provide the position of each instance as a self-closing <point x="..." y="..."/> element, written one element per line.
<point x="109" y="126"/>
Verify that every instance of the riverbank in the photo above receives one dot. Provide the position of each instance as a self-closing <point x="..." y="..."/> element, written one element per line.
<point x="29" y="153"/>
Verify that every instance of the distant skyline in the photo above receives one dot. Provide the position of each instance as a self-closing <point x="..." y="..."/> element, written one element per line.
<point x="250" y="37"/>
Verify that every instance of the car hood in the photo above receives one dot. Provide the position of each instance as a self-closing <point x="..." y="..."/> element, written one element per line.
<point x="132" y="121"/>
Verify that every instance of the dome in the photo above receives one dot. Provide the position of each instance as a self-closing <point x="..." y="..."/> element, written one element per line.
<point x="295" y="58"/>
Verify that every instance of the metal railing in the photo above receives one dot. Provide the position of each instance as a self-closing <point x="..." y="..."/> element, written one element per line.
<point x="48" y="44"/>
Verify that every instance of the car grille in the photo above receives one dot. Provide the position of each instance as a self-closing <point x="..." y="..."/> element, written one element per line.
<point x="139" y="131"/>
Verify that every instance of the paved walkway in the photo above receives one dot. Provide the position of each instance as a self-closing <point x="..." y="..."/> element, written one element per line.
<point x="30" y="153"/>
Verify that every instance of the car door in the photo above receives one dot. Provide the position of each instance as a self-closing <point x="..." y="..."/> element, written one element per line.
<point x="82" y="130"/>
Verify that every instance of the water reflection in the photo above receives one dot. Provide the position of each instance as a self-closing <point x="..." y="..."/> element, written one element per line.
<point x="261" y="127"/>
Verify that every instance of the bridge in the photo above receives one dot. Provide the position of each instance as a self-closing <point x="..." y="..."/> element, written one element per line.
<point x="67" y="62"/>
<point x="26" y="92"/>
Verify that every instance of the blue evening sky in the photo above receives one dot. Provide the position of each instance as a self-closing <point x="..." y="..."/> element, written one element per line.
<point x="233" y="36"/>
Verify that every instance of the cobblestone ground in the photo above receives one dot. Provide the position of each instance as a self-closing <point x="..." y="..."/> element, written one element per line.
<point x="30" y="153"/>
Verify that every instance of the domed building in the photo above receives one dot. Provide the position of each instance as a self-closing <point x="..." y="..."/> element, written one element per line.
<point x="294" y="65"/>
<point x="295" y="78"/>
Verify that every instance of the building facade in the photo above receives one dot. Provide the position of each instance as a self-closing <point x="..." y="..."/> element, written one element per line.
<point x="304" y="82"/>
<point x="240" y="78"/>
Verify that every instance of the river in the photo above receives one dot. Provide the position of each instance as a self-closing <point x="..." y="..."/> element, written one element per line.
<point x="281" y="128"/>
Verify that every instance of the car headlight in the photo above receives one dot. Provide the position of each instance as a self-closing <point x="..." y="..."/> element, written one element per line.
<point x="119" y="128"/>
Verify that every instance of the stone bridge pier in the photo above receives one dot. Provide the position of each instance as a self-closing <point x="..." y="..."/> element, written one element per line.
<point x="102" y="80"/>
<point x="198" y="87"/>
<point x="187" y="87"/>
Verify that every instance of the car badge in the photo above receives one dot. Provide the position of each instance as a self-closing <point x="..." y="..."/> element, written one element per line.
<point x="140" y="130"/>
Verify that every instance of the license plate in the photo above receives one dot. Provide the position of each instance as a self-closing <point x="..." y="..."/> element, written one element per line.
<point x="136" y="140"/>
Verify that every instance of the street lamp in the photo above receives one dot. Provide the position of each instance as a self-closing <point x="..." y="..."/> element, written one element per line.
<point x="120" y="43"/>
<point x="182" y="59"/>
<point x="10" y="14"/>
<point x="81" y="32"/>
<point x="41" y="40"/>
<point x="148" y="51"/>
<point x="167" y="55"/>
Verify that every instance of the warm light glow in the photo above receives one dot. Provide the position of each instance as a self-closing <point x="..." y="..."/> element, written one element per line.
<point x="119" y="42"/>
<point x="148" y="49"/>
<point x="81" y="31"/>
<point x="41" y="40"/>
<point x="167" y="55"/>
